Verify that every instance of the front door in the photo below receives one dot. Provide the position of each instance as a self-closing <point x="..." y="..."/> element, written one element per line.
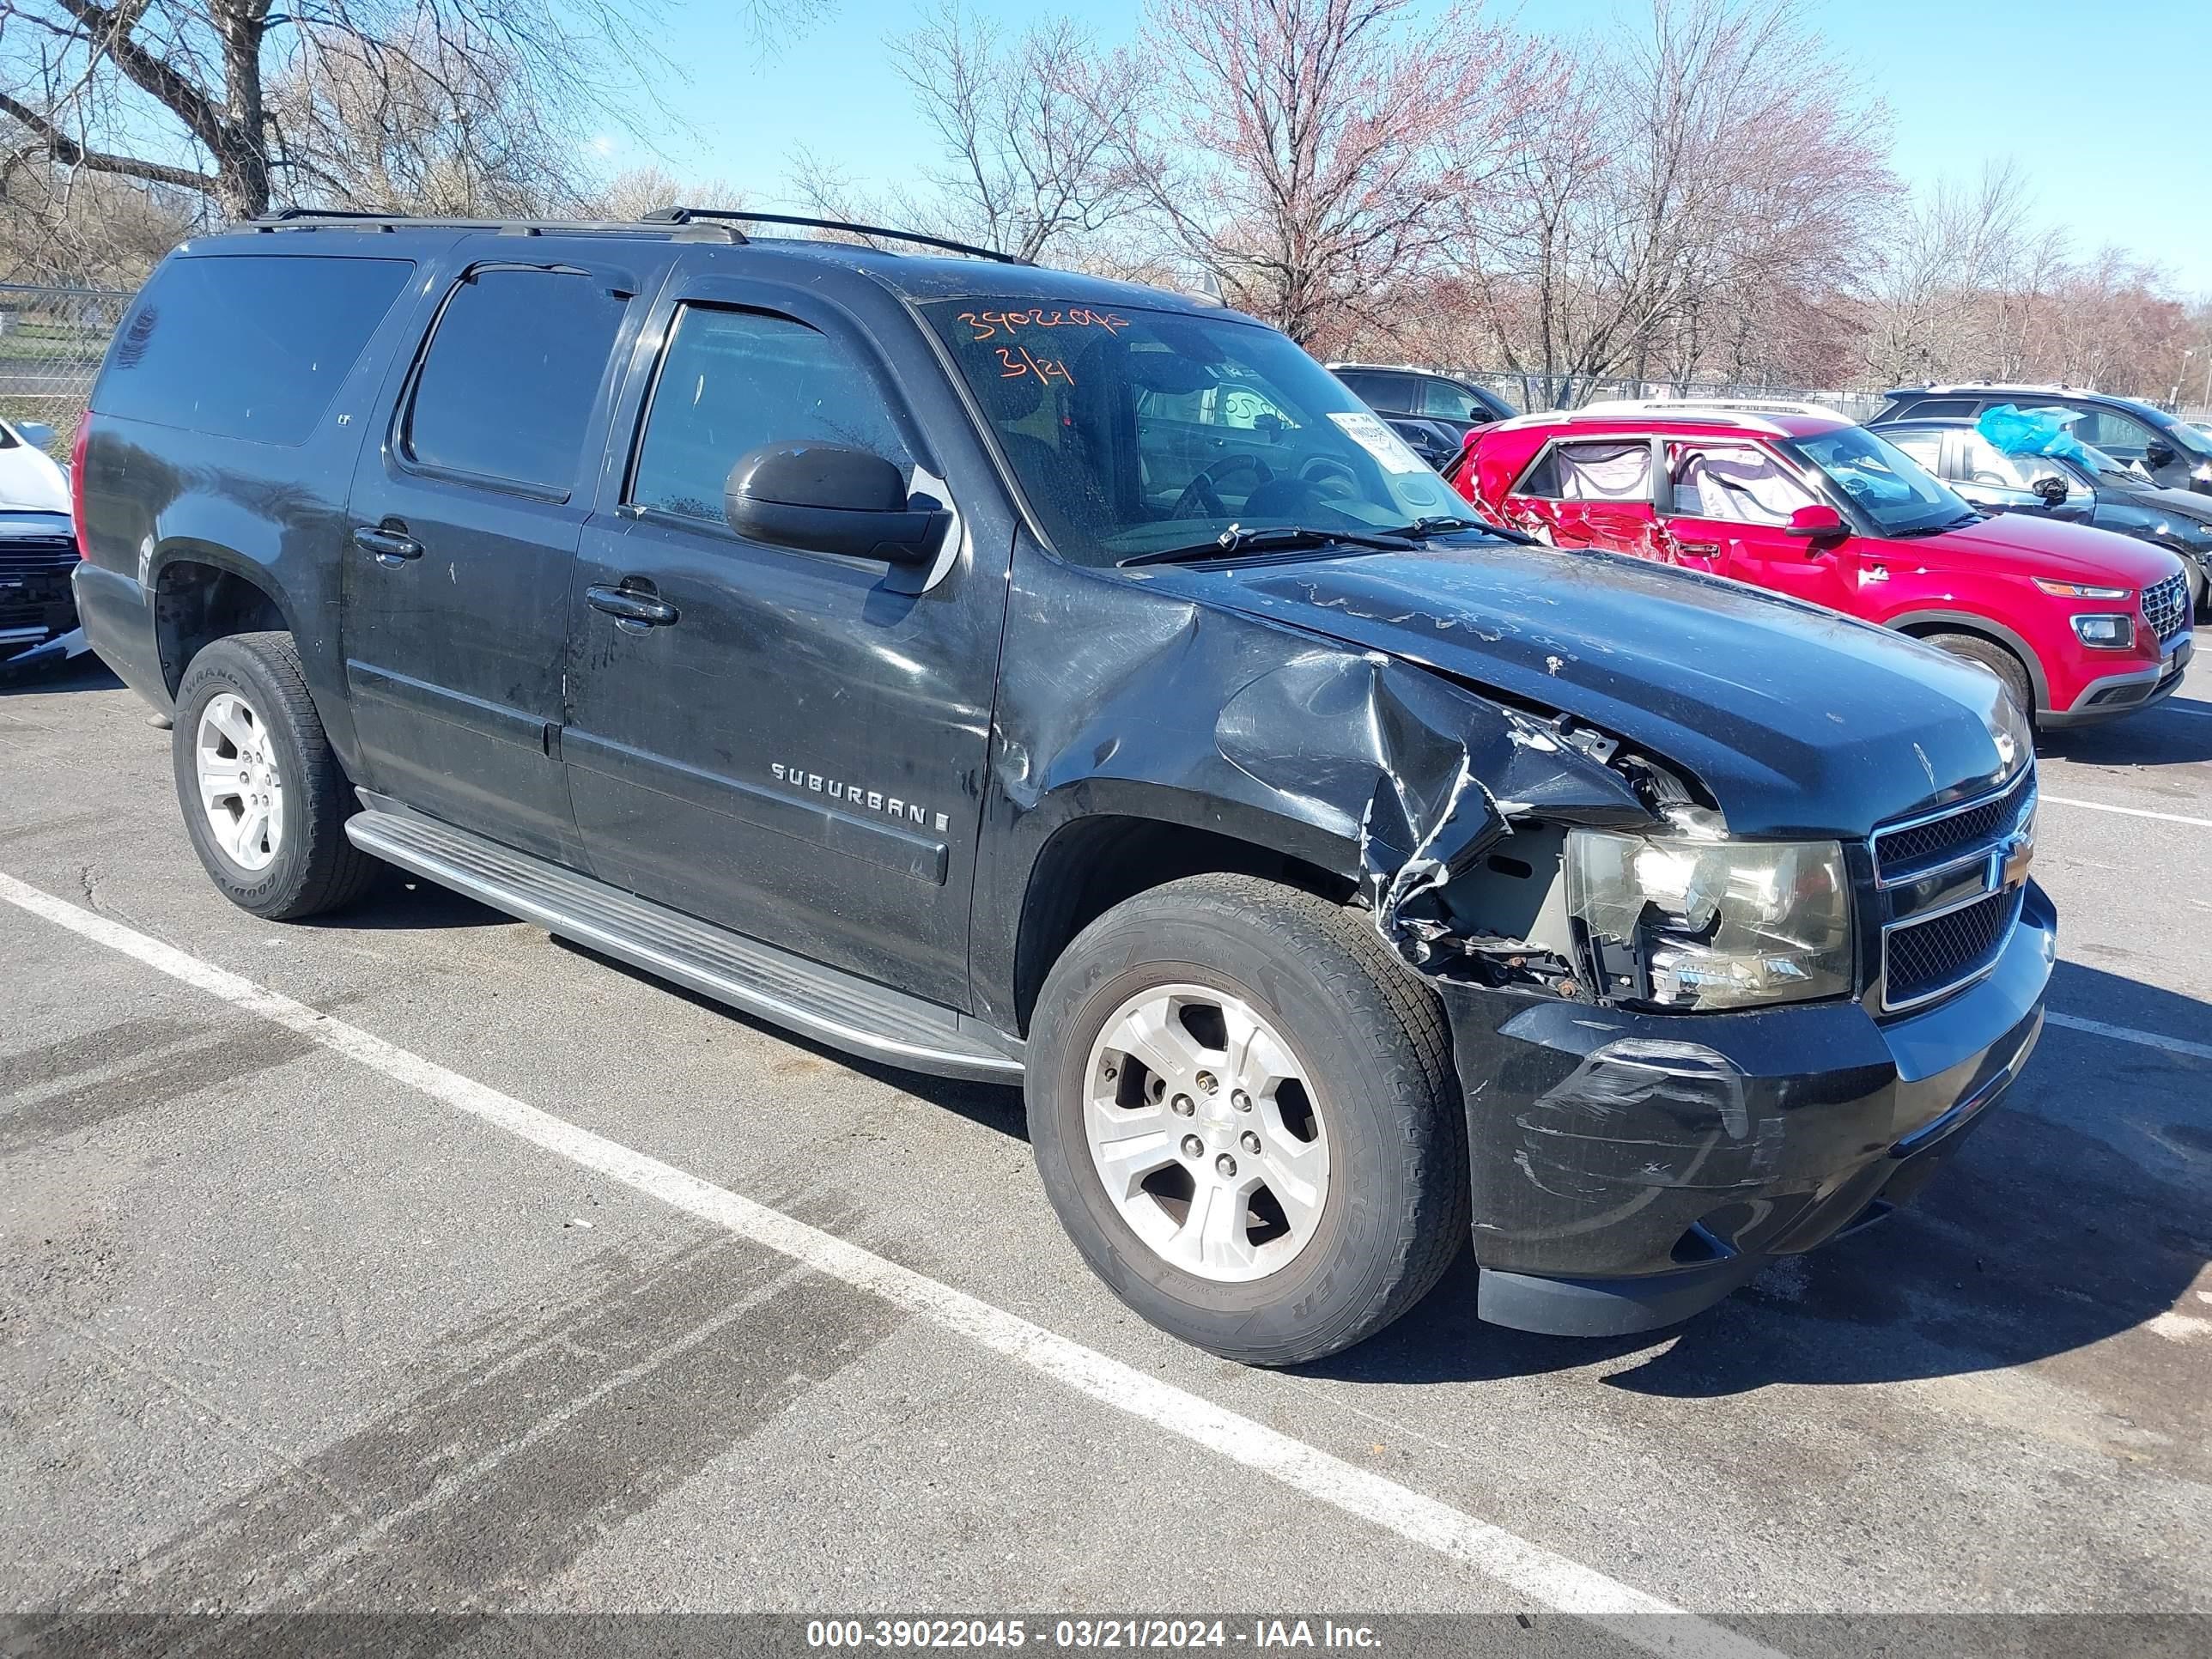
<point x="462" y="529"/>
<point x="1728" y="513"/>
<point x="795" y="747"/>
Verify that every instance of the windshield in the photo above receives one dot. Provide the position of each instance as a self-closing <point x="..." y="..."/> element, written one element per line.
<point x="2188" y="438"/>
<point x="1132" y="431"/>
<point x="1884" y="485"/>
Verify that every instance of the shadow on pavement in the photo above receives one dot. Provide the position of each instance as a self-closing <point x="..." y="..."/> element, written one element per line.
<point x="85" y="673"/>
<point x="2170" y="733"/>
<point x="2063" y="1222"/>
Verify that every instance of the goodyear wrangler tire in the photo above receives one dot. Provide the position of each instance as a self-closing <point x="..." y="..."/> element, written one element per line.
<point x="1243" y="1109"/>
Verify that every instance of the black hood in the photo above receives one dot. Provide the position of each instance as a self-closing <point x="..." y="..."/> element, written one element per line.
<point x="1800" y="721"/>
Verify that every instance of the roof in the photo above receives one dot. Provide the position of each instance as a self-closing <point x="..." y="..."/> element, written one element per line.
<point x="1775" y="419"/>
<point x="911" y="276"/>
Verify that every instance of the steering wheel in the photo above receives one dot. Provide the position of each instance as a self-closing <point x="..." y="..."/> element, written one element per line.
<point x="1200" y="492"/>
<point x="1328" y="469"/>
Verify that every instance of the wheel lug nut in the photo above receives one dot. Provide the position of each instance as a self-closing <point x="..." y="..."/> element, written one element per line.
<point x="1227" y="1165"/>
<point x="1241" y="1100"/>
<point x="1249" y="1142"/>
<point x="1110" y="1071"/>
<point x="1193" y="1146"/>
<point x="1184" y="1106"/>
<point x="1206" y="1082"/>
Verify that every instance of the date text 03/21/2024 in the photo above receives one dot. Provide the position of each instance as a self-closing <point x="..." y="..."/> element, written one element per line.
<point x="1101" y="1634"/>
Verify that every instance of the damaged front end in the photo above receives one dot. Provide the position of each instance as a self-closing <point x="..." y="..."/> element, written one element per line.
<point x="1666" y="1073"/>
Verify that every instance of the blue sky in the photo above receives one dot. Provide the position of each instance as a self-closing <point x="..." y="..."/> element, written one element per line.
<point x="2106" y="118"/>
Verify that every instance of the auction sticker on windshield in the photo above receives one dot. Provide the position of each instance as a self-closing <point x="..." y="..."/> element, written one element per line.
<point x="1368" y="431"/>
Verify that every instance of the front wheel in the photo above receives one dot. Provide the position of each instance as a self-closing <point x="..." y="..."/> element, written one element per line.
<point x="1997" y="659"/>
<point x="1243" y="1110"/>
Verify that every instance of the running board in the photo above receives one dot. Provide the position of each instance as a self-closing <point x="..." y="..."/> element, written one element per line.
<point x="840" y="1009"/>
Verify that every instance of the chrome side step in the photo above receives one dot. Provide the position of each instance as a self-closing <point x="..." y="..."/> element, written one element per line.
<point x="836" y="1008"/>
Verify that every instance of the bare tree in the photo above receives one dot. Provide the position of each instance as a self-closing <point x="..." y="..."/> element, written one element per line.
<point x="1302" y="152"/>
<point x="1030" y="128"/>
<point x="179" y="92"/>
<point x="1929" y="311"/>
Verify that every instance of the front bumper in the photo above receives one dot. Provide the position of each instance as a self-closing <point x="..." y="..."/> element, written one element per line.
<point x="2116" y="694"/>
<point x="1631" y="1169"/>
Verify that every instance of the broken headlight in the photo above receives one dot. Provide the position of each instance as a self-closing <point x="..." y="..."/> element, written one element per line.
<point x="1684" y="923"/>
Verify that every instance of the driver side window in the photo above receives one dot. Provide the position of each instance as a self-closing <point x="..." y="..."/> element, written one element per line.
<point x="732" y="380"/>
<point x="1739" y="485"/>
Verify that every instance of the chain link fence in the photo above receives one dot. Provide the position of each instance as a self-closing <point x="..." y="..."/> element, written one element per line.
<point x="52" y="340"/>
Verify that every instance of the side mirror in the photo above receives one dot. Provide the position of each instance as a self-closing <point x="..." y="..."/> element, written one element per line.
<point x="37" y="434"/>
<point x="827" y="498"/>
<point x="2156" y="455"/>
<point x="2053" y="490"/>
<point x="1819" y="523"/>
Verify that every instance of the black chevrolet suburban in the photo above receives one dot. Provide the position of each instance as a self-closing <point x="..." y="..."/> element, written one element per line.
<point x="1013" y="675"/>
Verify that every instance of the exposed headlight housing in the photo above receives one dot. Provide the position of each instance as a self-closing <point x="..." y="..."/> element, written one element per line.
<point x="1682" y="923"/>
<point x="2105" y="633"/>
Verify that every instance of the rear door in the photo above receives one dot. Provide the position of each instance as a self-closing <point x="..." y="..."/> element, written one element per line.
<point x="1590" y="493"/>
<point x="795" y="750"/>
<point x="1729" y="514"/>
<point x="464" y="523"/>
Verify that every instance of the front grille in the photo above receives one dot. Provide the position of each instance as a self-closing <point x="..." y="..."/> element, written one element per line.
<point x="1922" y="958"/>
<point x="35" y="556"/>
<point x="2166" y="606"/>
<point x="1981" y="824"/>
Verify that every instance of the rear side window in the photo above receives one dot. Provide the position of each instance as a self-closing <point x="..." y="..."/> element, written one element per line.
<point x="1391" y="392"/>
<point x="1609" y="471"/>
<point x="251" y="346"/>
<point x="732" y="380"/>
<point x="1936" y="409"/>
<point x="506" y="388"/>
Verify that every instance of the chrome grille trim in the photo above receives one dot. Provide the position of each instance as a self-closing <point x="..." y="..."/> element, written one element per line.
<point x="2166" y="606"/>
<point x="1909" y="858"/>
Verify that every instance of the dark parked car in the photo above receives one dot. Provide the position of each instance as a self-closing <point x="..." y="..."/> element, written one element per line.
<point x="1456" y="406"/>
<point x="2172" y="452"/>
<point x="1023" y="677"/>
<point x="2093" y="488"/>
<point x="1433" y="441"/>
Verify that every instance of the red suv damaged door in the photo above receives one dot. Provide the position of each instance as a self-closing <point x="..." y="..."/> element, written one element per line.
<point x="1594" y="493"/>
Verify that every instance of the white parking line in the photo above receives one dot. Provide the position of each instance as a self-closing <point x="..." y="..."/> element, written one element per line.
<point x="1554" y="1581"/>
<point x="2127" y="811"/>
<point x="2129" y="1034"/>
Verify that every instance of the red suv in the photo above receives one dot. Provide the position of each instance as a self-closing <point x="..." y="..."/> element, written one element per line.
<point x="2083" y="624"/>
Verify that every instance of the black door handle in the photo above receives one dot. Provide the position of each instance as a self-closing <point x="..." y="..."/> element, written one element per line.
<point x="392" y="547"/>
<point x="625" y="605"/>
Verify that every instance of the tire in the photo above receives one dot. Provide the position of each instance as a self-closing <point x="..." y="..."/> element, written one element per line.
<point x="303" y="864"/>
<point x="1997" y="659"/>
<point x="1377" y="1095"/>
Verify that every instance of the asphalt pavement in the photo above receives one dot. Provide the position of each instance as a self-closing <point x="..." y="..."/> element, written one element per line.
<point x="469" y="1270"/>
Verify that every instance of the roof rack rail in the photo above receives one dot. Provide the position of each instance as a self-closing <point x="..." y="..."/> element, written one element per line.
<point x="685" y="215"/>
<point x="307" y="218"/>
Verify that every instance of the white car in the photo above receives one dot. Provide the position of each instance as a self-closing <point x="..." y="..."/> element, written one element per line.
<point x="38" y="551"/>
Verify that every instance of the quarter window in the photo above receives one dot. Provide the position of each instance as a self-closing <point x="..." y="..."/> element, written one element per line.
<point x="732" y="380"/>
<point x="1612" y="471"/>
<point x="249" y="347"/>
<point x="506" y="388"/>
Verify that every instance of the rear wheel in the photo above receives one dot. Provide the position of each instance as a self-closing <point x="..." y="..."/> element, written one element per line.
<point x="264" y="799"/>
<point x="1997" y="659"/>
<point x="1243" y="1110"/>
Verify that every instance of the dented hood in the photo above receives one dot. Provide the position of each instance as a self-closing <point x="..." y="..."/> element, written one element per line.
<point x="1801" y="722"/>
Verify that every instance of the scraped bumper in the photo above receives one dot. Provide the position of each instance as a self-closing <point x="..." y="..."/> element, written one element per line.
<point x="1632" y="1170"/>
